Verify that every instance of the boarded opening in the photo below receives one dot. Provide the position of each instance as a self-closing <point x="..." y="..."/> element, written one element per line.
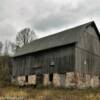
<point x="26" y="78"/>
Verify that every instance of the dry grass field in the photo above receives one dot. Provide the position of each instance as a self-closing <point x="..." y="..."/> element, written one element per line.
<point x="30" y="93"/>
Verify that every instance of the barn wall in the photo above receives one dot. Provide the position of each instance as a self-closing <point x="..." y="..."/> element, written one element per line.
<point x="60" y="60"/>
<point x="89" y="41"/>
<point x="88" y="53"/>
<point x="87" y="62"/>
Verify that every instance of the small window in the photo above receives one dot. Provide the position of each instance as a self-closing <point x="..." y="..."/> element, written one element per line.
<point x="52" y="63"/>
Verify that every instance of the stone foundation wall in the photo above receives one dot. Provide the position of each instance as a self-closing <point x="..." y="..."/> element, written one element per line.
<point x="78" y="80"/>
<point x="72" y="79"/>
<point x="88" y="80"/>
<point x="21" y="80"/>
<point x="32" y="79"/>
<point x="46" y="80"/>
<point x="81" y="80"/>
<point x="56" y="80"/>
<point x="95" y="82"/>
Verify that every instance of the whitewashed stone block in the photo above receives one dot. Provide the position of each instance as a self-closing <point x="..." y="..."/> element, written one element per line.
<point x="46" y="80"/>
<point x="32" y="79"/>
<point x="56" y="80"/>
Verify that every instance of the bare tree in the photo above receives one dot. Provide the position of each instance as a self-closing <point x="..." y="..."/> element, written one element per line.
<point x="6" y="47"/>
<point x="24" y="37"/>
<point x="12" y="47"/>
<point x="1" y="47"/>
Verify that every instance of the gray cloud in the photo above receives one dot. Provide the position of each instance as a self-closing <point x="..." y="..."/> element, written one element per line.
<point x="45" y="16"/>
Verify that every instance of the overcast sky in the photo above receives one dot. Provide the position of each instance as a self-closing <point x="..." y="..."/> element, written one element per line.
<point x="45" y="16"/>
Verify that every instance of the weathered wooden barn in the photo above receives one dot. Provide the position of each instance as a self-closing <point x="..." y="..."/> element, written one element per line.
<point x="68" y="58"/>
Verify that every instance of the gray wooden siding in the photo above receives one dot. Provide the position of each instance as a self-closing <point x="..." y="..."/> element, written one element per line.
<point x="88" y="52"/>
<point x="89" y="42"/>
<point x="63" y="59"/>
<point x="84" y="56"/>
<point x="90" y="29"/>
<point x="87" y="62"/>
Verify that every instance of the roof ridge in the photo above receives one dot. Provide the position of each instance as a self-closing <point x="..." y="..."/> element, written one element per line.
<point x="61" y="32"/>
<point x="53" y="40"/>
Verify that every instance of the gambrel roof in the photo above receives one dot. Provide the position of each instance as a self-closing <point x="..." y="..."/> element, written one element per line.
<point x="59" y="39"/>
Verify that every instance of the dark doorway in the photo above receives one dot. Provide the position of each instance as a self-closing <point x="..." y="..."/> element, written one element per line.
<point x="50" y="77"/>
<point x="39" y="79"/>
<point x="26" y="78"/>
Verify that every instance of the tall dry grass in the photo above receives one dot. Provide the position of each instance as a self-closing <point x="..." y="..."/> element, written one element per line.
<point x="30" y="93"/>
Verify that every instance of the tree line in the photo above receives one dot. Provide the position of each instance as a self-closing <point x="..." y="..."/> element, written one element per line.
<point x="23" y="37"/>
<point x="8" y="49"/>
